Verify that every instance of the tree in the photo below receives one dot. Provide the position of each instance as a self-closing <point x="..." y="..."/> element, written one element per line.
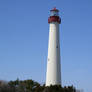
<point x="32" y="86"/>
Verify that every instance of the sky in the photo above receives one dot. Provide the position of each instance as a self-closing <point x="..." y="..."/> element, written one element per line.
<point x="24" y="32"/>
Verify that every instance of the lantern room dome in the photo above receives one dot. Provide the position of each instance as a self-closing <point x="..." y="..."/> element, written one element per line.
<point x="54" y="9"/>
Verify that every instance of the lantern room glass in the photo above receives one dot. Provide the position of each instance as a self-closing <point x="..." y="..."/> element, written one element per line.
<point x="54" y="13"/>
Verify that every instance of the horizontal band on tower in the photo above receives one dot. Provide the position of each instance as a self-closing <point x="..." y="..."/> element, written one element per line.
<point x="54" y="19"/>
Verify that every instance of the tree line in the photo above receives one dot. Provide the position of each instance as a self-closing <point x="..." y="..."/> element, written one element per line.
<point x="32" y="86"/>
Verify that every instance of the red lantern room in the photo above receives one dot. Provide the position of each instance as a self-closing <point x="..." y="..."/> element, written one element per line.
<point x="54" y="16"/>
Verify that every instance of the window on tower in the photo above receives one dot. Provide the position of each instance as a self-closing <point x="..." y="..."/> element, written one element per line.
<point x="57" y="46"/>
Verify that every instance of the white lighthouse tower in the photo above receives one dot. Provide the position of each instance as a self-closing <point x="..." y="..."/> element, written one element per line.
<point x="53" y="74"/>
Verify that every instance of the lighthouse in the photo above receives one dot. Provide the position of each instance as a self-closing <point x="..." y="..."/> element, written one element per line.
<point x="53" y="74"/>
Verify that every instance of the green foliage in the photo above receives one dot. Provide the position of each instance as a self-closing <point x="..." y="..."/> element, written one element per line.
<point x="32" y="86"/>
<point x="58" y="88"/>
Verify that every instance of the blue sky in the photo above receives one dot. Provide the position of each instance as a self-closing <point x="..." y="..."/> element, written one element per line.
<point x="24" y="32"/>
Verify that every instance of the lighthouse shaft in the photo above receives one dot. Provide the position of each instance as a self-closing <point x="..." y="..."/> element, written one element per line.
<point x="53" y="75"/>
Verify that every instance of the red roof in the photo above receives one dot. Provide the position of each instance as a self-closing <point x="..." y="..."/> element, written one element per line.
<point x="54" y="9"/>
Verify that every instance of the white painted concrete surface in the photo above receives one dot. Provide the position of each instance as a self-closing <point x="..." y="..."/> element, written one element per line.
<point x="53" y="74"/>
